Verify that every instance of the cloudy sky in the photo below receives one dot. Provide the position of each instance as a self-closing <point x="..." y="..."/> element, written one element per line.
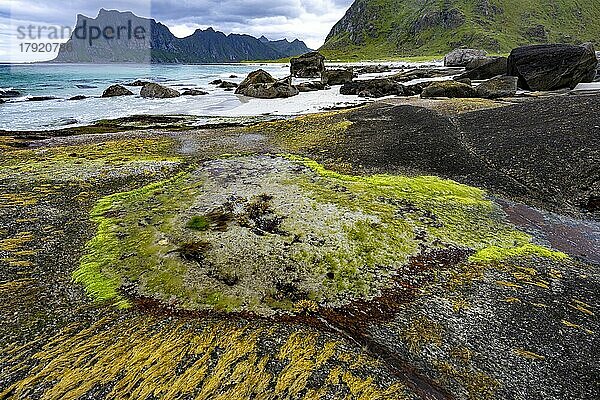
<point x="308" y="20"/>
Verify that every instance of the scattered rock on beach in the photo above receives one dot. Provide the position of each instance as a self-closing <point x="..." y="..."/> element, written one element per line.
<point x="138" y="83"/>
<point x="194" y="92"/>
<point x="487" y="68"/>
<point x="312" y="86"/>
<point x="2" y="101"/>
<point x="4" y="94"/>
<point x="262" y="85"/>
<point x="421" y="73"/>
<point x="216" y="82"/>
<point x="373" y="69"/>
<point x="462" y="57"/>
<point x="78" y="97"/>
<point x="86" y="86"/>
<point x="502" y="86"/>
<point x="309" y="65"/>
<point x="227" y="85"/>
<point x="117" y="90"/>
<point x="451" y="89"/>
<point x="373" y="88"/>
<point x="337" y="76"/>
<point x="156" y="91"/>
<point x="42" y="98"/>
<point x="553" y="66"/>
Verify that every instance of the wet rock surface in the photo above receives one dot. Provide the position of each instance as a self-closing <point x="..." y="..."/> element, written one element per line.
<point x="481" y="305"/>
<point x="117" y="90"/>
<point x="309" y="65"/>
<point x="156" y="91"/>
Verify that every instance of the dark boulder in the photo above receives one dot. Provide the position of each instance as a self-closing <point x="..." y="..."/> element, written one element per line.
<point x="253" y="78"/>
<point x="82" y="86"/>
<point x="502" y="86"/>
<point x="117" y="90"/>
<point x="337" y="76"/>
<point x="309" y="65"/>
<point x="373" y="69"/>
<point x="216" y="82"/>
<point x="137" y="83"/>
<point x="227" y="85"/>
<point x="42" y="98"/>
<point x="420" y="73"/>
<point x="462" y="57"/>
<point x="261" y="84"/>
<point x="156" y="91"/>
<point x="312" y="86"/>
<point x="466" y="81"/>
<point x="78" y="97"/>
<point x="451" y="89"/>
<point x="416" y="89"/>
<point x="9" y="93"/>
<point x="194" y="92"/>
<point x="553" y="66"/>
<point x="487" y="69"/>
<point x="2" y="101"/>
<point x="373" y="88"/>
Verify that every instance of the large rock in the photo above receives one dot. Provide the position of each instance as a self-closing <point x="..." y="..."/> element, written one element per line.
<point x="502" y="86"/>
<point x="227" y="85"/>
<point x="8" y="93"/>
<point x="261" y="84"/>
<point x="156" y="91"/>
<point x="553" y="66"/>
<point x="312" y="86"/>
<point x="309" y="65"/>
<point x="486" y="68"/>
<point x="254" y="78"/>
<point x="337" y="76"/>
<point x="462" y="57"/>
<point x="450" y="89"/>
<point x="373" y="88"/>
<point x="116" y="91"/>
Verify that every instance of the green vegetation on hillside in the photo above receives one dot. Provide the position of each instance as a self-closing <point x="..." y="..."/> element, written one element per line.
<point x="385" y="29"/>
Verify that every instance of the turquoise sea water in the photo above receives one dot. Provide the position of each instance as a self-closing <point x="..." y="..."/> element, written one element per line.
<point x="67" y="80"/>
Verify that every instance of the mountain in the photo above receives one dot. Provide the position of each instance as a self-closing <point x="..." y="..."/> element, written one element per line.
<point x="391" y="28"/>
<point x="122" y="37"/>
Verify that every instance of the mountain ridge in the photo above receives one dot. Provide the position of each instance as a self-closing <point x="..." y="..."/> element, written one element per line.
<point x="395" y="28"/>
<point x="159" y="45"/>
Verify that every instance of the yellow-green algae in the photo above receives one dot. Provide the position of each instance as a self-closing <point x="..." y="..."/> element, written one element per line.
<point x="145" y="357"/>
<point x="341" y="237"/>
<point x="86" y="160"/>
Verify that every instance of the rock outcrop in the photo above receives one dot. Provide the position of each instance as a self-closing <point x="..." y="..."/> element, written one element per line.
<point x="156" y="91"/>
<point x="262" y="85"/>
<point x="486" y="68"/>
<point x="503" y="86"/>
<point x="309" y="65"/>
<point x="116" y="91"/>
<point x="553" y="66"/>
<point x="373" y="88"/>
<point x="450" y="89"/>
<point x="334" y="77"/>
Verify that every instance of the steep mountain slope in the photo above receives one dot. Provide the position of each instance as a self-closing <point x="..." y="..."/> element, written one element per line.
<point x="388" y="28"/>
<point x="122" y="37"/>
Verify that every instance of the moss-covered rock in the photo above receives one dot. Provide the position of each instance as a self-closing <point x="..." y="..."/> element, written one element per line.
<point x="263" y="233"/>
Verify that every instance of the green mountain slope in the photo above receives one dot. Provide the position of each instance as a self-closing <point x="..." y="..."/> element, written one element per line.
<point x="393" y="28"/>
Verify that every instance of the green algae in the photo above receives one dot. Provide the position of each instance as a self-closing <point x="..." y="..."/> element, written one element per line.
<point x="272" y="233"/>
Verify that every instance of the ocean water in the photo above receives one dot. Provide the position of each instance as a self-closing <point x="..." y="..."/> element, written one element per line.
<point x="68" y="80"/>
